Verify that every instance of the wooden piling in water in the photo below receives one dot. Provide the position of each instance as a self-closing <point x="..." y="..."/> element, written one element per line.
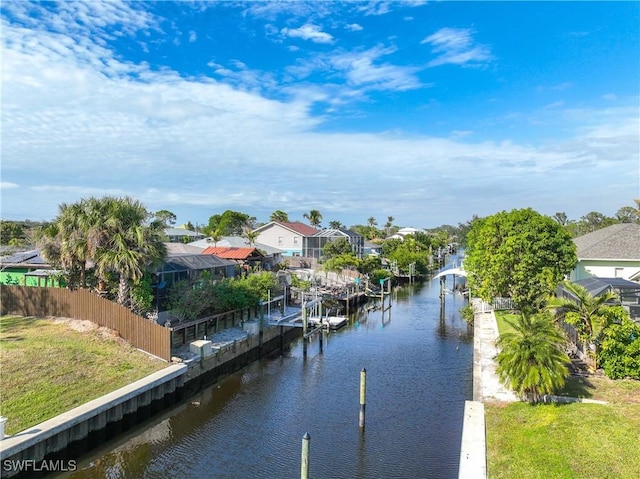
<point x="363" y="397"/>
<point x="304" y="462"/>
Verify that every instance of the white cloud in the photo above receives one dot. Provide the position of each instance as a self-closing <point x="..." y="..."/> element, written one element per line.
<point x="308" y="32"/>
<point x="193" y="36"/>
<point x="5" y="185"/>
<point x="456" y="46"/>
<point x="353" y="27"/>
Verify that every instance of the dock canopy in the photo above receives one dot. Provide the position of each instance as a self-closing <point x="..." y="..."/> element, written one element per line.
<point x="453" y="271"/>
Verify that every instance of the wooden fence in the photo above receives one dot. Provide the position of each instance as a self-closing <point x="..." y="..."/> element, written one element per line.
<point x="82" y="304"/>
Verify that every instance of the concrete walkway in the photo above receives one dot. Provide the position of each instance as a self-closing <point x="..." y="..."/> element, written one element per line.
<point x="486" y="387"/>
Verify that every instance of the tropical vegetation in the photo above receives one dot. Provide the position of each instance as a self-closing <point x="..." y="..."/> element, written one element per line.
<point x="532" y="360"/>
<point x="519" y="254"/>
<point x="117" y="235"/>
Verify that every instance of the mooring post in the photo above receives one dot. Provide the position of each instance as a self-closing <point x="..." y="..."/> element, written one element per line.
<point x="304" y="463"/>
<point x="363" y="396"/>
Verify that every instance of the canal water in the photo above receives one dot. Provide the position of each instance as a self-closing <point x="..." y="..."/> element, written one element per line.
<point x="418" y="358"/>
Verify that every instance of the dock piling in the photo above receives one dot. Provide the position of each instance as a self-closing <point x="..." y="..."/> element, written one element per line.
<point x="304" y="463"/>
<point x="363" y="396"/>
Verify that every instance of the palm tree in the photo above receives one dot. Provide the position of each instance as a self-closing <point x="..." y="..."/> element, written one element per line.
<point x="251" y="237"/>
<point x="586" y="313"/>
<point x="335" y="225"/>
<point x="216" y="236"/>
<point x="131" y="244"/>
<point x="279" y="216"/>
<point x="389" y="224"/>
<point x="531" y="360"/>
<point x="314" y="217"/>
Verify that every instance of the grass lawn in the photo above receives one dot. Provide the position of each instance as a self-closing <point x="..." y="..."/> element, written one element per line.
<point x="501" y="317"/>
<point x="568" y="441"/>
<point x="49" y="366"/>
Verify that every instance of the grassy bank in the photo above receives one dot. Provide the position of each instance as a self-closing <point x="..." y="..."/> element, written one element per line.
<point x="570" y="441"/>
<point x="48" y="367"/>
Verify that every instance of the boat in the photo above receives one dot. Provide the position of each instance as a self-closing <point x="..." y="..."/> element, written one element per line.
<point x="328" y="322"/>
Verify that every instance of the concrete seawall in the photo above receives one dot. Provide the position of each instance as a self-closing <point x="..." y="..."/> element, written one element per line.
<point x="54" y="435"/>
<point x="69" y="435"/>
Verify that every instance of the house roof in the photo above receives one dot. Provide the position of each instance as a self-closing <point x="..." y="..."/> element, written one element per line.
<point x="333" y="233"/>
<point x="181" y="248"/>
<point x="620" y="241"/>
<point x="596" y="286"/>
<point x="234" y="241"/>
<point x="227" y="252"/>
<point x="188" y="262"/>
<point x="24" y="259"/>
<point x="295" y="226"/>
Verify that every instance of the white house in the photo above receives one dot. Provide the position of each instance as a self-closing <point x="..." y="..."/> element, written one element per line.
<point x="287" y="237"/>
<point x="403" y="232"/>
<point x="611" y="252"/>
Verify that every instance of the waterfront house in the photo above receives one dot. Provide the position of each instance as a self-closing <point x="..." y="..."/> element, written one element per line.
<point x="287" y="237"/>
<point x="611" y="252"/>
<point x="272" y="256"/>
<point x="312" y="245"/>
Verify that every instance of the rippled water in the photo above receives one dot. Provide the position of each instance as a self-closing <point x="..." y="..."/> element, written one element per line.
<point x="250" y="425"/>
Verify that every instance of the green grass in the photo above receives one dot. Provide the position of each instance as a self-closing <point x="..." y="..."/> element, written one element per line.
<point x="502" y="317"/>
<point x="47" y="368"/>
<point x="568" y="441"/>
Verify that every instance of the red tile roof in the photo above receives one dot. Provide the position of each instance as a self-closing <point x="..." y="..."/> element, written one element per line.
<point x="228" y="252"/>
<point x="298" y="227"/>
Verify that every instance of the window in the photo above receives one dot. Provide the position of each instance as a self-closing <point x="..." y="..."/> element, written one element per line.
<point x="280" y="240"/>
<point x="295" y="240"/>
<point x="619" y="273"/>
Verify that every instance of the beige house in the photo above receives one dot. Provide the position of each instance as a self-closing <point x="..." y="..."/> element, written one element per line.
<point x="611" y="252"/>
<point x="287" y="237"/>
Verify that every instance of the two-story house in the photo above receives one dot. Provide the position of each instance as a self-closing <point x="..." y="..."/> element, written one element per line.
<point x="287" y="237"/>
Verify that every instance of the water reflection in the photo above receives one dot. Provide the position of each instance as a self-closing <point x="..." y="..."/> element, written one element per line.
<point x="418" y="358"/>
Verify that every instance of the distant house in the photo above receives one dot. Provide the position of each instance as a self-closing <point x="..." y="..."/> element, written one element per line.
<point x="312" y="245"/>
<point x="403" y="232"/>
<point x="611" y="252"/>
<point x="28" y="268"/>
<point x="370" y="248"/>
<point x="287" y="237"/>
<point x="180" y="235"/>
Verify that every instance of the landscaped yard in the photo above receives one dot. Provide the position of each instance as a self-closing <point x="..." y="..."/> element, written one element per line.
<point x="589" y="441"/>
<point x="50" y="366"/>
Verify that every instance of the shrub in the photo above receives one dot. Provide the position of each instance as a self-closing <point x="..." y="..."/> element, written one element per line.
<point x="619" y="353"/>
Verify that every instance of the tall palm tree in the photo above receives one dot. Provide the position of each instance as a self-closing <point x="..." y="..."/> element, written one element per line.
<point x="131" y="243"/>
<point x="389" y="224"/>
<point x="335" y="225"/>
<point x="532" y="360"/>
<point x="279" y="216"/>
<point x="314" y="217"/>
<point x="586" y="313"/>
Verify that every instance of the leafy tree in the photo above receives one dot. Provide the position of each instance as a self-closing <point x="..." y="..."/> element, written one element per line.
<point x="229" y="223"/>
<point x="279" y="216"/>
<point x="619" y="353"/>
<point x="166" y="218"/>
<point x="519" y="254"/>
<point x="340" y="262"/>
<point x="336" y="247"/>
<point x="629" y="214"/>
<point x="11" y="233"/>
<point x="561" y="218"/>
<point x="531" y="360"/>
<point x="314" y="217"/>
<point x="588" y="314"/>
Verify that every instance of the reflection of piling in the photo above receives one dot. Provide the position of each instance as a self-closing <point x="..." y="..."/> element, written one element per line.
<point x="304" y="463"/>
<point x="363" y="397"/>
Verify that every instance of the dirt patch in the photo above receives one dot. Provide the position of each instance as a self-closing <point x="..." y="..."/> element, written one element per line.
<point x="84" y="326"/>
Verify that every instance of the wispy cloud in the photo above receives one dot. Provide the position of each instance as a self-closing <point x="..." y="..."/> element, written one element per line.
<point x="456" y="46"/>
<point x="353" y="27"/>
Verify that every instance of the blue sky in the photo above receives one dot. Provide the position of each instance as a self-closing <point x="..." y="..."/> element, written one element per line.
<point x="429" y="112"/>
